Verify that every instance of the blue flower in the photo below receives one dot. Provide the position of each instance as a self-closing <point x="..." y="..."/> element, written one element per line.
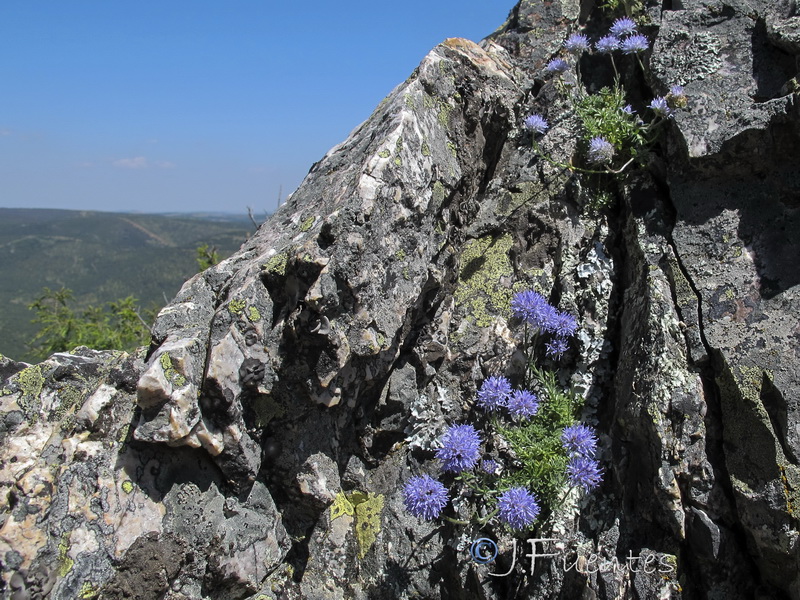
<point x="557" y="65"/>
<point x="677" y="97"/>
<point x="531" y="307"/>
<point x="518" y="507"/>
<point x="536" y="123"/>
<point x="628" y="110"/>
<point x="623" y="26"/>
<point x="490" y="466"/>
<point x="635" y="44"/>
<point x="660" y="106"/>
<point x="584" y="472"/>
<point x="556" y="347"/>
<point x="523" y="404"/>
<point x="494" y="393"/>
<point x="460" y="448"/>
<point x="564" y="324"/>
<point x="577" y="43"/>
<point x="579" y="440"/>
<point x="607" y="44"/>
<point x="600" y="151"/>
<point x="424" y="497"/>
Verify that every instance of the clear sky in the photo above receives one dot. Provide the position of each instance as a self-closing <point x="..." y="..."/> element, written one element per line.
<point x="198" y="105"/>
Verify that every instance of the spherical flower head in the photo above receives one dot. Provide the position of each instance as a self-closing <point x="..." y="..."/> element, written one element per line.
<point x="424" y="497"/>
<point x="518" y="507"/>
<point x="536" y="123"/>
<point x="460" y="448"/>
<point x="490" y="466"/>
<point x="523" y="404"/>
<point x="579" y="440"/>
<point x="607" y="44"/>
<point x="623" y="26"/>
<point x="676" y="90"/>
<point x="600" y="151"/>
<point x="660" y="106"/>
<point x="494" y="393"/>
<point x="584" y="472"/>
<point x="677" y="97"/>
<point x="564" y="324"/>
<point x="557" y="65"/>
<point x="635" y="44"/>
<point x="556" y="347"/>
<point x="577" y="43"/>
<point x="531" y="307"/>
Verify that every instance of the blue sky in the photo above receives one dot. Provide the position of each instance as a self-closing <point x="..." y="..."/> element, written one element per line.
<point x="177" y="106"/>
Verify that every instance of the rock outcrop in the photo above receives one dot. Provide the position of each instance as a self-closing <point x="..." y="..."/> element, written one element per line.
<point x="259" y="447"/>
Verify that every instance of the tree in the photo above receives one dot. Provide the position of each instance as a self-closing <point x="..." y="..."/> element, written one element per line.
<point x="206" y="256"/>
<point x="115" y="325"/>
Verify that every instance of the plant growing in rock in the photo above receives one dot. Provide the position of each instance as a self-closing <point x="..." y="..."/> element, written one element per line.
<point x="532" y="447"/>
<point x="612" y="135"/>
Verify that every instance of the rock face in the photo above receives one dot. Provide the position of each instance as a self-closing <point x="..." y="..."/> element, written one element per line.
<point x="259" y="447"/>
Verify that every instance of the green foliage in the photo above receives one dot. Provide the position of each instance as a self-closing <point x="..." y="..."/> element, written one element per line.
<point x="537" y="442"/>
<point x="101" y="257"/>
<point x="114" y="325"/>
<point x="630" y="7"/>
<point x="602" y="115"/>
<point x="206" y="256"/>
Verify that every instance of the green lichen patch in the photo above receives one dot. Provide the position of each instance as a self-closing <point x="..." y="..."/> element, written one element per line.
<point x="307" y="224"/>
<point x="341" y="506"/>
<point x="236" y="306"/>
<point x="277" y="264"/>
<point x="368" y="522"/>
<point x="252" y="314"/>
<point x="65" y="562"/>
<point x="400" y="254"/>
<point x="127" y="486"/>
<point x="408" y="99"/>
<point x="384" y="153"/>
<point x="426" y="149"/>
<point x="366" y="508"/>
<point x="439" y="192"/>
<point x="444" y="114"/>
<point x="790" y="491"/>
<point x="30" y="382"/>
<point x="71" y="398"/>
<point x="87" y="591"/>
<point x="452" y="148"/>
<point x="169" y="370"/>
<point x="522" y="193"/>
<point x="480" y="291"/>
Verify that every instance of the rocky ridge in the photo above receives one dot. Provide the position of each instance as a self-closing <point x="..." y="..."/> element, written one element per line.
<point x="259" y="447"/>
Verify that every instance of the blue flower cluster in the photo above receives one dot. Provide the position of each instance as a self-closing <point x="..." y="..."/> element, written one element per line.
<point x="460" y="449"/>
<point x="532" y="308"/>
<point x="622" y="36"/>
<point x="424" y="497"/>
<point x="518" y="508"/>
<point x="583" y="470"/>
<point x="496" y="393"/>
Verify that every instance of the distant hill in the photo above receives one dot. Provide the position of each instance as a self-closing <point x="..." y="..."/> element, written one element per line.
<point x="101" y="257"/>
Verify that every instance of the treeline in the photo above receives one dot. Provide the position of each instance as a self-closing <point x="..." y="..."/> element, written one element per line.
<point x="121" y="324"/>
